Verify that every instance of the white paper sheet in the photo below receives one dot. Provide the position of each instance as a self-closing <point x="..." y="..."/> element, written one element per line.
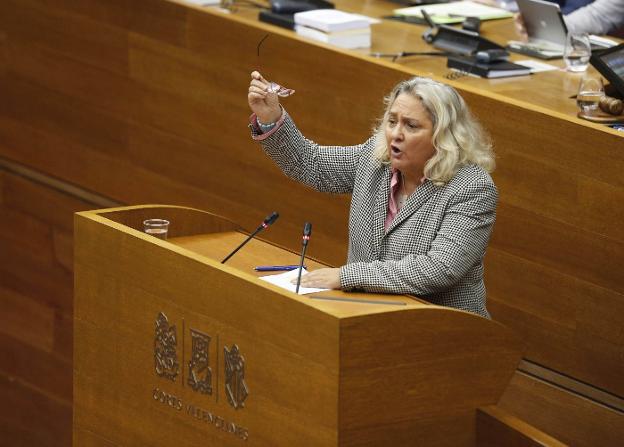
<point x="283" y="280"/>
<point x="536" y="66"/>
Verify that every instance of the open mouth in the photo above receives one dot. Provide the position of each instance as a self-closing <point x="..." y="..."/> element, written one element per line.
<point x="394" y="150"/>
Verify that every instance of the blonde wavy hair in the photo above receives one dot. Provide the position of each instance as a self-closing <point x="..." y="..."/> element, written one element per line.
<point x="457" y="136"/>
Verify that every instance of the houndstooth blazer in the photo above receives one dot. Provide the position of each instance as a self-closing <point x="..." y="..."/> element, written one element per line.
<point x="433" y="249"/>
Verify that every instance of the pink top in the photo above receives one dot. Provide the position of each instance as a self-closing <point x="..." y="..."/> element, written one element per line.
<point x="393" y="203"/>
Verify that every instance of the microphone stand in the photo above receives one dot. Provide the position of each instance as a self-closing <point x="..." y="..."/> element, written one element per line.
<point x="307" y="231"/>
<point x="268" y="221"/>
<point x="401" y="54"/>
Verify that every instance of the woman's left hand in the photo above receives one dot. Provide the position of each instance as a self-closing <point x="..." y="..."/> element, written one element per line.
<point x="328" y="278"/>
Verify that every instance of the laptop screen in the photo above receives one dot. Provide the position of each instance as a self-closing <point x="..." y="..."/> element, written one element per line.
<point x="544" y="22"/>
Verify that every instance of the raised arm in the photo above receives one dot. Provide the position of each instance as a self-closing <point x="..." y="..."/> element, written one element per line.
<point x="324" y="168"/>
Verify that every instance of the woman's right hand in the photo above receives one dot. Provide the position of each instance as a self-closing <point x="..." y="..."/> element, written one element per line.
<point x="262" y="102"/>
<point x="520" y="27"/>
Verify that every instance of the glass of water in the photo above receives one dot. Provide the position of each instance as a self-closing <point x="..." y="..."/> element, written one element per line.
<point x="590" y="92"/>
<point x="577" y="52"/>
<point x="156" y="227"/>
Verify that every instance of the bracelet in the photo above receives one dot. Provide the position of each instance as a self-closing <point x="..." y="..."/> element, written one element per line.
<point x="265" y="127"/>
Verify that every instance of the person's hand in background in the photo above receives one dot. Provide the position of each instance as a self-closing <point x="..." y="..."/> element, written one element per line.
<point x="520" y="27"/>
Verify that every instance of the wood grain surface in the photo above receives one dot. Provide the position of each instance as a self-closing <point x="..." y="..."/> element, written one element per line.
<point x="319" y="374"/>
<point x="144" y="102"/>
<point x="496" y="427"/>
<point x="570" y="419"/>
<point x="36" y="289"/>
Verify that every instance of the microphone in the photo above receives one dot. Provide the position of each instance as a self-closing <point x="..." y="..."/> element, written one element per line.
<point x="265" y="224"/>
<point x="307" y="231"/>
<point x="428" y="35"/>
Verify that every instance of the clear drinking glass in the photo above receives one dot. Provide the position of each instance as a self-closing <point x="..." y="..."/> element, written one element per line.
<point x="156" y="227"/>
<point x="590" y="92"/>
<point x="509" y="5"/>
<point x="577" y="52"/>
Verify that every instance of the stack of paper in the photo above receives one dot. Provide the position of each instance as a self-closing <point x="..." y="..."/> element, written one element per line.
<point x="335" y="27"/>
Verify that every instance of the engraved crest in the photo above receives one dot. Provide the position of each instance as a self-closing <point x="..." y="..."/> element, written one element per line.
<point x="165" y="349"/>
<point x="200" y="374"/>
<point x="235" y="387"/>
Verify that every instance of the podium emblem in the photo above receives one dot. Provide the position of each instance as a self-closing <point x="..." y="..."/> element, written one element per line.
<point x="165" y="349"/>
<point x="235" y="387"/>
<point x="200" y="374"/>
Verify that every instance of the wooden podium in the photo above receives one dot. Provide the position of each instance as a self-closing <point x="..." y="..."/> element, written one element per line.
<point x="171" y="347"/>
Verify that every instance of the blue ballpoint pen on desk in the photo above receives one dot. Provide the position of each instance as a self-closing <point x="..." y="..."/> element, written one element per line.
<point x="276" y="268"/>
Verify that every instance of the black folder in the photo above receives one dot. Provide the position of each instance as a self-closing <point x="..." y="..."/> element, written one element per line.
<point x="497" y="69"/>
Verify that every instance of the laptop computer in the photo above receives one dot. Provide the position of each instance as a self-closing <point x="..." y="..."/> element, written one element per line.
<point x="545" y="28"/>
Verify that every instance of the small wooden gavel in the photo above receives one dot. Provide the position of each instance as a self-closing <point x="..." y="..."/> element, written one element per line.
<point x="612" y="106"/>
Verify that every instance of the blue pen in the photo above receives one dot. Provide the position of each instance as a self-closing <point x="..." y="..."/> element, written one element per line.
<point x="276" y="268"/>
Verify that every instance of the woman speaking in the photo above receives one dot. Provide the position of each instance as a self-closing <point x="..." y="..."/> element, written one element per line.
<point x="423" y="203"/>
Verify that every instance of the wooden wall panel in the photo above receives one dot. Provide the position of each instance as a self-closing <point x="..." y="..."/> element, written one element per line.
<point x="51" y="25"/>
<point x="3" y="53"/>
<point x="569" y="324"/>
<point x="42" y="203"/>
<point x="560" y="246"/>
<point x="571" y="419"/>
<point x="88" y="85"/>
<point x="576" y="268"/>
<point x="115" y="13"/>
<point x="97" y="172"/>
<point x="166" y="21"/>
<point x="36" y="297"/>
<point x="583" y="199"/>
<point x="62" y="244"/>
<point x="60" y="115"/>
<point x="458" y="429"/>
<point x="30" y="418"/>
<point x="28" y="262"/>
<point x="23" y="312"/>
<point x="32" y="365"/>
<point x="496" y="428"/>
